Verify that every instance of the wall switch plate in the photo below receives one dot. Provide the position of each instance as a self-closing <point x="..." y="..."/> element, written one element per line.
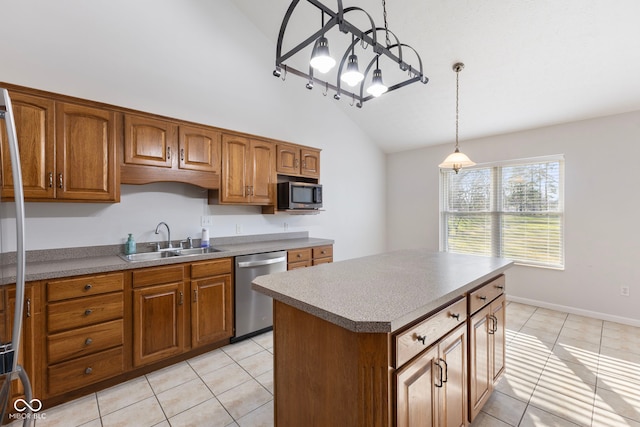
<point x="624" y="291"/>
<point x="206" y="220"/>
<point x="238" y="228"/>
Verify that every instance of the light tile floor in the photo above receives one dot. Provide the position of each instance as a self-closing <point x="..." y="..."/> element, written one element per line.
<point x="562" y="370"/>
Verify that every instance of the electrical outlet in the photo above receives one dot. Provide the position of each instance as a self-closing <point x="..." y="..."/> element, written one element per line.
<point x="206" y="220"/>
<point x="238" y="228"/>
<point x="286" y="226"/>
<point x="624" y="291"/>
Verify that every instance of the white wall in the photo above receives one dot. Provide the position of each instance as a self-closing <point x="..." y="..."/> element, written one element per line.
<point x="602" y="235"/>
<point x="198" y="60"/>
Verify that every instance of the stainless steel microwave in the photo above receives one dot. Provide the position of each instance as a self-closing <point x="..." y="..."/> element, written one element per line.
<point x="299" y="195"/>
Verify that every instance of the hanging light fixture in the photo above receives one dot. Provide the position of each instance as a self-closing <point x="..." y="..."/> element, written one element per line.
<point x="456" y="160"/>
<point x="321" y="59"/>
<point x="348" y="74"/>
<point x="377" y="87"/>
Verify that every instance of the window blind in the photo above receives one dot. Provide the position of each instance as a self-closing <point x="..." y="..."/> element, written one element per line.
<point x="513" y="211"/>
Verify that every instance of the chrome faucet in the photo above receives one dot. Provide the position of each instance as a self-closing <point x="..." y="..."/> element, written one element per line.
<point x="168" y="233"/>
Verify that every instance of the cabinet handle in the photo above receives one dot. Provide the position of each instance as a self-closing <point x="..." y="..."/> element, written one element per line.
<point x="60" y="182"/>
<point x="500" y="287"/>
<point x="299" y="255"/>
<point x="182" y="154"/>
<point x="304" y="164"/>
<point x="455" y="316"/>
<point x="439" y="376"/>
<point x="195" y="295"/>
<point x="88" y="371"/>
<point x="88" y="311"/>
<point x="446" y="370"/>
<point x="28" y="307"/>
<point x="495" y="324"/>
<point x="181" y="300"/>
<point x="483" y="298"/>
<point x="88" y="287"/>
<point x="492" y="324"/>
<point x="50" y="179"/>
<point x="88" y="341"/>
<point x="422" y="339"/>
<point x="168" y="153"/>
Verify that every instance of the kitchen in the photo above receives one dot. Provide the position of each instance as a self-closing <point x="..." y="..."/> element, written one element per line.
<point x="119" y="58"/>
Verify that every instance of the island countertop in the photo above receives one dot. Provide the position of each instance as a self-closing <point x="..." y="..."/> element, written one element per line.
<point x="381" y="293"/>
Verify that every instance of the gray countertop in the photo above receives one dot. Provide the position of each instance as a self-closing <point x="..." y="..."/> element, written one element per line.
<point x="56" y="263"/>
<point x="380" y="293"/>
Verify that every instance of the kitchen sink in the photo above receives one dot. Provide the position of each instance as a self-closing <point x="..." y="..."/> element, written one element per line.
<point x="168" y="253"/>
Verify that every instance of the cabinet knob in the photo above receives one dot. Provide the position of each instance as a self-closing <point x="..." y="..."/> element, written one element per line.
<point x="422" y="339"/>
<point x="88" y="287"/>
<point x="88" y="341"/>
<point x="88" y="311"/>
<point x="455" y="316"/>
<point x="323" y="252"/>
<point x="88" y="371"/>
<point x="299" y="256"/>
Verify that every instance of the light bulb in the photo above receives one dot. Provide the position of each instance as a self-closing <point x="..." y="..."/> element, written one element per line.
<point x="377" y="88"/>
<point x="352" y="76"/>
<point x="321" y="60"/>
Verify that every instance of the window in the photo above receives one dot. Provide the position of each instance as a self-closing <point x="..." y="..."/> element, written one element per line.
<point x="512" y="210"/>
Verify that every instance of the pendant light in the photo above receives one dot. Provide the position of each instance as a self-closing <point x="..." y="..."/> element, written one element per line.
<point x="377" y="87"/>
<point x="456" y="160"/>
<point x="321" y="60"/>
<point x="352" y="76"/>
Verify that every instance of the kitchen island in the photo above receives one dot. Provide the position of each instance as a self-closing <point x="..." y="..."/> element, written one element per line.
<point x="362" y="342"/>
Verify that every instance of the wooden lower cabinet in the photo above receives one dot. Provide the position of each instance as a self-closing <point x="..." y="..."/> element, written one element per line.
<point x="211" y="302"/>
<point x="307" y="257"/>
<point x="157" y="323"/>
<point x="486" y="352"/>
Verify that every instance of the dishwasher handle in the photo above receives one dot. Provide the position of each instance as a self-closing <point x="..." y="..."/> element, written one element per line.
<point x="249" y="264"/>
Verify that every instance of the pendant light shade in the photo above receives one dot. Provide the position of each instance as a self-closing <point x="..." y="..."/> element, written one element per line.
<point x="377" y="87"/>
<point x="352" y="76"/>
<point x="457" y="160"/>
<point x="321" y="60"/>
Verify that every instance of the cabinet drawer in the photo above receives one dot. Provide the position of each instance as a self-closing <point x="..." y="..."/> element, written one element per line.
<point x="417" y="338"/>
<point x="318" y="261"/>
<point x="86" y="370"/>
<point x="84" y="286"/>
<point x="158" y="275"/>
<point x="298" y="255"/>
<point x="84" y="312"/>
<point x="323" y="252"/>
<point x="210" y="268"/>
<point x="486" y="293"/>
<point x="84" y="341"/>
<point x="301" y="264"/>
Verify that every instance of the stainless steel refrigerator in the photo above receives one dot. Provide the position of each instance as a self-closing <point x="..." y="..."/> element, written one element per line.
<point x="10" y="369"/>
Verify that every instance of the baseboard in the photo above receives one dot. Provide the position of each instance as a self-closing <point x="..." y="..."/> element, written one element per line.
<point x="573" y="310"/>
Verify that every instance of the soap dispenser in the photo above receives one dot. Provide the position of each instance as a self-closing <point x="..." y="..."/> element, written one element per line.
<point x="205" y="238"/>
<point x="130" y="246"/>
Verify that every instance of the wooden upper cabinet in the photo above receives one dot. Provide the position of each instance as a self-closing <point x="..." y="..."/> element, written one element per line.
<point x="296" y="160"/>
<point x="149" y="142"/>
<point x="86" y="157"/>
<point x="247" y="171"/>
<point x="199" y="149"/>
<point x="34" y="119"/>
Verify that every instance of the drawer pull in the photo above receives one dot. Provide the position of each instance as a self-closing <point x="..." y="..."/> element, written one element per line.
<point x="323" y="252"/>
<point x="88" y="341"/>
<point x="421" y="338"/>
<point x="500" y="287"/>
<point x="299" y="256"/>
<point x="88" y="287"/>
<point x="88" y="371"/>
<point x="455" y="316"/>
<point x="88" y="311"/>
<point x="483" y="298"/>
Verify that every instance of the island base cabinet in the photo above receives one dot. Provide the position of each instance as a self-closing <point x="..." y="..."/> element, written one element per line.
<point x="431" y="390"/>
<point x="325" y="375"/>
<point x="486" y="353"/>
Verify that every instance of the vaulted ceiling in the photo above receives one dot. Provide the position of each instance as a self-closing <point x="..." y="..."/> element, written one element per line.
<point x="529" y="63"/>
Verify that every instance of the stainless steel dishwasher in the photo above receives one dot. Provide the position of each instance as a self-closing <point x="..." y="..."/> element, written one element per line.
<point x="253" y="310"/>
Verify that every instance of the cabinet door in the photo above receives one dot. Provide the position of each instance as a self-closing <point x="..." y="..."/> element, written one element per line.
<point x="34" y="119"/>
<point x="199" y="149"/>
<point x="498" y="345"/>
<point x="149" y="142"/>
<point x="288" y="159"/>
<point x="416" y="392"/>
<point x="480" y="376"/>
<point x="157" y="323"/>
<point x="453" y="396"/>
<point x="262" y="172"/>
<point x="310" y="162"/>
<point x="234" y="179"/>
<point x="86" y="153"/>
<point x="211" y="310"/>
